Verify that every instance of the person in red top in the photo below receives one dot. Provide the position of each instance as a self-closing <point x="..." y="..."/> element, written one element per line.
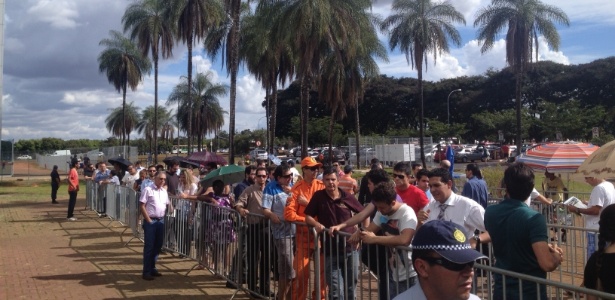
<point x="410" y="194"/>
<point x="301" y="194"/>
<point x="73" y="188"/>
<point x="347" y="183"/>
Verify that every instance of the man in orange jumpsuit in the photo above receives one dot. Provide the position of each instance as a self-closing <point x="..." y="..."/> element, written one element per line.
<point x="301" y="194"/>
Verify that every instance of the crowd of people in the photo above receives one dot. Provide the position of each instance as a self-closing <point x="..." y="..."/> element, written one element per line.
<point x="411" y="207"/>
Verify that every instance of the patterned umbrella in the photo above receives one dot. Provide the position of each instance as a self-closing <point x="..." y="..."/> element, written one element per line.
<point x="564" y="157"/>
<point x="600" y="164"/>
<point x="205" y="157"/>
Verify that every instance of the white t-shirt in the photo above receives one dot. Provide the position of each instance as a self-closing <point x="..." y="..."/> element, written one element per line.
<point x="129" y="180"/>
<point x="602" y="195"/>
<point x="461" y="210"/>
<point x="533" y="195"/>
<point x="403" y="218"/>
<point x="416" y="293"/>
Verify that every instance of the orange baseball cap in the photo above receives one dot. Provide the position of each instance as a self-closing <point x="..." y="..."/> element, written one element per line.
<point x="309" y="162"/>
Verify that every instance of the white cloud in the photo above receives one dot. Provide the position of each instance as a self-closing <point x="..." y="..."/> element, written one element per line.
<point x="60" y="14"/>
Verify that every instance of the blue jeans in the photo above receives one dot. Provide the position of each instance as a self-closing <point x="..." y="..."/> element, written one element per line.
<point x="340" y="267"/>
<point x="154" y="236"/>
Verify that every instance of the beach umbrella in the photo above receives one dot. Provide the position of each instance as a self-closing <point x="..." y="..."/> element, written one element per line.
<point x="563" y="157"/>
<point x="228" y="174"/>
<point x="204" y="157"/>
<point x="600" y="164"/>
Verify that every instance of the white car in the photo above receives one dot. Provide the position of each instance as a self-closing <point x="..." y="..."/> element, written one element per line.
<point x="24" y="156"/>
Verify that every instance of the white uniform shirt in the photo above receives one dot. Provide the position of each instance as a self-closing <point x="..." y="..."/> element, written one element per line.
<point x="602" y="195"/>
<point x="462" y="211"/>
<point x="533" y="195"/>
<point x="416" y="293"/>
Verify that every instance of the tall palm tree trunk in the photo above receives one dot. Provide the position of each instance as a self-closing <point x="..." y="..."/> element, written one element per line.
<point x="273" y="112"/>
<point x="305" y="105"/>
<point x="234" y="60"/>
<point x="331" y="123"/>
<point x="519" y="77"/>
<point x="421" y="116"/>
<point x="189" y="127"/>
<point x="357" y="128"/>
<point x="155" y="108"/>
<point x="124" y="112"/>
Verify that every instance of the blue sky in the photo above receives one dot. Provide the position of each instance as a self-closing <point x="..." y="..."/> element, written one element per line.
<point x="52" y="87"/>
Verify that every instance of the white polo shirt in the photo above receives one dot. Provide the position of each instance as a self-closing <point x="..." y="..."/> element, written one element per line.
<point x="602" y="195"/>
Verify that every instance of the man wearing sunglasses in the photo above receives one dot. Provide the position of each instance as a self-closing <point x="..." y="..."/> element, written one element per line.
<point x="405" y="188"/>
<point x="444" y="261"/>
<point x="250" y="201"/>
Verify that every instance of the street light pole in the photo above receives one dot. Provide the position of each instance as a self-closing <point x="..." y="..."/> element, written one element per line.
<point x="448" y="110"/>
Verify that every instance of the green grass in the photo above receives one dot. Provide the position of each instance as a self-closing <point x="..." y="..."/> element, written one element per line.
<point x="33" y="190"/>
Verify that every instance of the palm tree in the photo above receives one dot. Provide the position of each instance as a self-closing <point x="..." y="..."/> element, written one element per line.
<point x="151" y="116"/>
<point x="314" y="28"/>
<point x="205" y="115"/>
<point x="194" y="18"/>
<point x="342" y="80"/>
<point x="228" y="36"/>
<point x="525" y="19"/>
<point x="149" y="24"/>
<point x="124" y="66"/>
<point x="123" y="120"/>
<point x="419" y="28"/>
<point x="270" y="60"/>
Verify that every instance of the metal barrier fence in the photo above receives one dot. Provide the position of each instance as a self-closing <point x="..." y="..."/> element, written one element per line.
<point x="243" y="251"/>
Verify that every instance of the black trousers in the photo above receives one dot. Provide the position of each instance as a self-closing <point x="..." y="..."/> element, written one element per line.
<point x="54" y="191"/>
<point x="72" y="200"/>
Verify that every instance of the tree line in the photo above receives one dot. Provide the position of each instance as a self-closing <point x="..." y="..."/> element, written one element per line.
<point x="329" y="47"/>
<point x="569" y="99"/>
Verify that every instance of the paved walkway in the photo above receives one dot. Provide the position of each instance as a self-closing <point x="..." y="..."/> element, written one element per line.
<point x="44" y="256"/>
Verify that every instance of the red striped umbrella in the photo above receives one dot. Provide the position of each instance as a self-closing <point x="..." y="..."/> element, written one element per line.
<point x="564" y="157"/>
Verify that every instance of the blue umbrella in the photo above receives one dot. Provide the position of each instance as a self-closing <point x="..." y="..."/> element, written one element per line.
<point x="450" y="156"/>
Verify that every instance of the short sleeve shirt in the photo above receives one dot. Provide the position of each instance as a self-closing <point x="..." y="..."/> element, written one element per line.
<point x="413" y="197"/>
<point x="514" y="227"/>
<point x="602" y="195"/>
<point x="274" y="199"/>
<point x="73" y="177"/>
<point x="156" y="201"/>
<point x="403" y="218"/>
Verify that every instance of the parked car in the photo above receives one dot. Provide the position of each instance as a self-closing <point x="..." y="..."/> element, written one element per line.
<point x="465" y="155"/>
<point x="101" y="154"/>
<point x="258" y="154"/>
<point x="24" y="157"/>
<point x="338" y="156"/>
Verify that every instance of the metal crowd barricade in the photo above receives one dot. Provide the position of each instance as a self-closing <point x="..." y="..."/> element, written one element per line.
<point x="210" y="238"/>
<point x="90" y="194"/>
<point x="128" y="195"/>
<point x="134" y="218"/>
<point x="554" y="289"/>
<point x="101" y="199"/>
<point x="112" y="192"/>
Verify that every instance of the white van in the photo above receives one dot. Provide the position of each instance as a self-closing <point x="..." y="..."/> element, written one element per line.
<point x="61" y="153"/>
